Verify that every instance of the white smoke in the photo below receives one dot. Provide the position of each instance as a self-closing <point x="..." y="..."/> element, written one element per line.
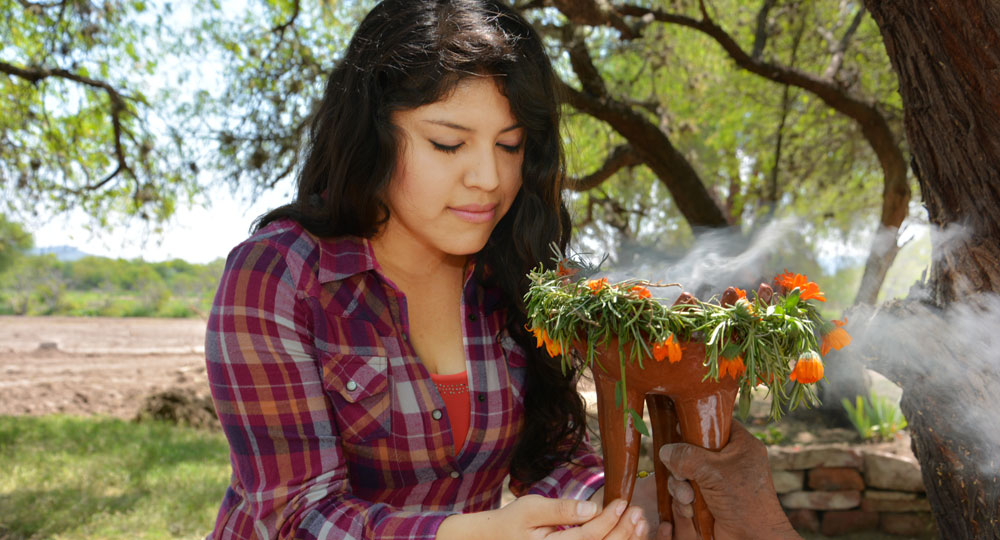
<point x="947" y="359"/>
<point x="718" y="259"/>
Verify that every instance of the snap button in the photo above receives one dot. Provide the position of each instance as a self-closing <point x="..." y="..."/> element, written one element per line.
<point x="406" y="338"/>
<point x="436" y="414"/>
<point x="455" y="474"/>
<point x="472" y="317"/>
<point x="482" y="397"/>
<point x="351" y="386"/>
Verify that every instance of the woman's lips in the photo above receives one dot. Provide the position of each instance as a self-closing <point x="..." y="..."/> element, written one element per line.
<point x="475" y="213"/>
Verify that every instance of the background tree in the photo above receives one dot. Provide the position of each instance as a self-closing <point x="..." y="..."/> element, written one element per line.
<point x="14" y="242"/>
<point x="82" y="124"/>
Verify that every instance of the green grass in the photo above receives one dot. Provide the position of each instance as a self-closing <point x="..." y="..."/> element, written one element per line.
<point x="73" y="477"/>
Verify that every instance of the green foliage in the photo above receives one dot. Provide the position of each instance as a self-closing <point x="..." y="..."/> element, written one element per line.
<point x="875" y="417"/>
<point x="231" y="91"/>
<point x="726" y="122"/>
<point x="14" y="242"/>
<point x="76" y="478"/>
<point x="80" y="108"/>
<point x="771" y="435"/>
<point x="98" y="286"/>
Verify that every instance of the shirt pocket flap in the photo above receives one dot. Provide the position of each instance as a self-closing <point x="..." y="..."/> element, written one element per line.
<point x="356" y="377"/>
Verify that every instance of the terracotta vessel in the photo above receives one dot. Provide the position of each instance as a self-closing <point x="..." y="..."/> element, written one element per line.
<point x="682" y="408"/>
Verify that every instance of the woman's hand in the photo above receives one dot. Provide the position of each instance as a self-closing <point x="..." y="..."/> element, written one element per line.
<point x="736" y="484"/>
<point x="535" y="517"/>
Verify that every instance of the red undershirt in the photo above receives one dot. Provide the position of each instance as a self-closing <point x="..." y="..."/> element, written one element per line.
<point x="454" y="390"/>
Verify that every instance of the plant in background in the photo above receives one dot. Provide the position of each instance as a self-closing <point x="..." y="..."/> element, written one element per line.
<point x="770" y="436"/>
<point x="876" y="417"/>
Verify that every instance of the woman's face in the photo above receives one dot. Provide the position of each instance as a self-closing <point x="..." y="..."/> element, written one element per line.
<point x="459" y="170"/>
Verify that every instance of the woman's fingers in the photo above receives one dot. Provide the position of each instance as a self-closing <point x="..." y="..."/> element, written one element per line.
<point x="542" y="511"/>
<point x="615" y="522"/>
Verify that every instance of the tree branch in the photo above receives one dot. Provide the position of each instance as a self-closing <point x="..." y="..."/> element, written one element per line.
<point x="40" y="5"/>
<point x="118" y="106"/>
<point x="619" y="158"/>
<point x="874" y="126"/>
<point x="583" y="66"/>
<point x="760" y="36"/>
<point x="840" y="49"/>
<point x="280" y="29"/>
<point x="595" y="13"/>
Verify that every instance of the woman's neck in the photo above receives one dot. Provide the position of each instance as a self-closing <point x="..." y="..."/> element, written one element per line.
<point x="411" y="263"/>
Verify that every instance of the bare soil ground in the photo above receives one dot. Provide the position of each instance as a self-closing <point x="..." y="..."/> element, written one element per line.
<point x="107" y="366"/>
<point x="100" y="366"/>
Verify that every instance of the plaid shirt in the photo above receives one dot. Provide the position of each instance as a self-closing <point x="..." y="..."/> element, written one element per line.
<point x="335" y="428"/>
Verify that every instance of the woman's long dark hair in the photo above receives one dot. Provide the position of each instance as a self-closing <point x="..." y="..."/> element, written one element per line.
<point x="408" y="53"/>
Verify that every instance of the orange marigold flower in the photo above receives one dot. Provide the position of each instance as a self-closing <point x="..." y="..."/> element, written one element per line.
<point x="741" y="293"/>
<point x="807" y="289"/>
<point x="538" y="333"/>
<point x="542" y="338"/>
<point x="784" y="280"/>
<point x="838" y="338"/>
<point x="731" y="366"/>
<point x="641" y="291"/>
<point x="667" y="349"/>
<point x="764" y="378"/>
<point x="597" y="284"/>
<point x="808" y="369"/>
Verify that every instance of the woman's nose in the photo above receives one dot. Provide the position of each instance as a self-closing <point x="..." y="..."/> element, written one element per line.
<point x="484" y="172"/>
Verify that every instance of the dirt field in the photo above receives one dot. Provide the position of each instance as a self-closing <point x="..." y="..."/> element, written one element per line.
<point x="96" y="365"/>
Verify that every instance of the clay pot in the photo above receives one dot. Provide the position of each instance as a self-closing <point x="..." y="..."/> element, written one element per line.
<point x="682" y="408"/>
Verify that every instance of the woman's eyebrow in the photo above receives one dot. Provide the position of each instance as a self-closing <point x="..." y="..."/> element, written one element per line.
<point x="460" y="127"/>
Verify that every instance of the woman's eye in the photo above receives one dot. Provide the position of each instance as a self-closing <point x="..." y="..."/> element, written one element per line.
<point x="510" y="149"/>
<point x="445" y="148"/>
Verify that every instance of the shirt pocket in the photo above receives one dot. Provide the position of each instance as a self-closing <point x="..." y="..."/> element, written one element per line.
<point x="358" y="386"/>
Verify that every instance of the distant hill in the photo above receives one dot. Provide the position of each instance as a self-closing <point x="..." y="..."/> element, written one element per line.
<point x="63" y="253"/>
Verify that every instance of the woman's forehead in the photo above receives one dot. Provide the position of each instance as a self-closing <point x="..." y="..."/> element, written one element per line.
<point x="474" y="103"/>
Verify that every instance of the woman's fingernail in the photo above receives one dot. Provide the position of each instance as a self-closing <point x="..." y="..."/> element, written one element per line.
<point x="620" y="508"/>
<point x="586" y="509"/>
<point x="635" y="516"/>
<point x="640" y="530"/>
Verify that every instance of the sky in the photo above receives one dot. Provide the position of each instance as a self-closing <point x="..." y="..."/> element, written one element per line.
<point x="196" y="234"/>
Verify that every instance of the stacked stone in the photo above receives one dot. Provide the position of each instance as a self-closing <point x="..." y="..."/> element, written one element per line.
<point x="837" y="490"/>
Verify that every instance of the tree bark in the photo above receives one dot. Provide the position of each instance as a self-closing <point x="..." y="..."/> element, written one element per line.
<point x="947" y="56"/>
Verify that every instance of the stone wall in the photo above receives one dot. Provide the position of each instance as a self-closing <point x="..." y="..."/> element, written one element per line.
<point x="838" y="489"/>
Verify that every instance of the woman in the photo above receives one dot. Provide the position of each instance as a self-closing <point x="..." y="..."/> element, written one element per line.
<point x="431" y="186"/>
<point x="366" y="349"/>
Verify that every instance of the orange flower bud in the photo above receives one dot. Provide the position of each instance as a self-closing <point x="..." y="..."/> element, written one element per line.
<point x="808" y="369"/>
<point x="837" y="339"/>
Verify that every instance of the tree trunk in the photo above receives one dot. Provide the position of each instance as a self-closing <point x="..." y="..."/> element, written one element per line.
<point x="947" y="56"/>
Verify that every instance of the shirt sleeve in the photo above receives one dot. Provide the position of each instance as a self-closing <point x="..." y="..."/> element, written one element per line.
<point x="579" y="478"/>
<point x="267" y="386"/>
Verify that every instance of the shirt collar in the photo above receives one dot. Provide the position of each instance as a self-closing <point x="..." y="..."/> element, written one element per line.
<point x="343" y="257"/>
